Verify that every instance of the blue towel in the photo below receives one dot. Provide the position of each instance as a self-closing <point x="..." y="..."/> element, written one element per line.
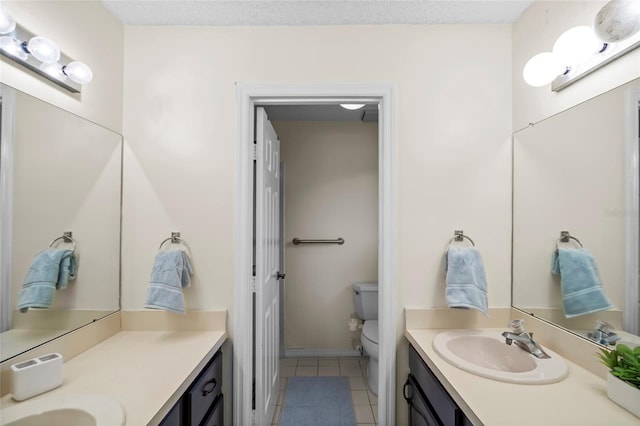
<point x="50" y="270"/>
<point x="580" y="284"/>
<point x="466" y="280"/>
<point x="171" y="273"/>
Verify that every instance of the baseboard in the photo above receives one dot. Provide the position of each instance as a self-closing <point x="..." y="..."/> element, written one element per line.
<point x="327" y="353"/>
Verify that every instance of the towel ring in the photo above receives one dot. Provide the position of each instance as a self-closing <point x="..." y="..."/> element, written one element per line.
<point x="67" y="239"/>
<point x="175" y="239"/>
<point x="459" y="236"/>
<point x="565" y="237"/>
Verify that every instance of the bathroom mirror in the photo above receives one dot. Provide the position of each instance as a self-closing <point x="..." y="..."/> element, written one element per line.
<point x="60" y="173"/>
<point x="573" y="172"/>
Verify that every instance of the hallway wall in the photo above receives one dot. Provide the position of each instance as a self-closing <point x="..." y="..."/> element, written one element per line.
<point x="331" y="191"/>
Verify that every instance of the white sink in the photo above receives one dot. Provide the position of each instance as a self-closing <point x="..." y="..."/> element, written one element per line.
<point x="76" y="410"/>
<point x="485" y="353"/>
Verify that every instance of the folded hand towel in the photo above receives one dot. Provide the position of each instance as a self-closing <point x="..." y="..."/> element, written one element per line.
<point x="466" y="280"/>
<point x="171" y="273"/>
<point x="580" y="284"/>
<point x="51" y="269"/>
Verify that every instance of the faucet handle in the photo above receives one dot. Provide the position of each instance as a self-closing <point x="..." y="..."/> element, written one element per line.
<point x="604" y="327"/>
<point x="517" y="325"/>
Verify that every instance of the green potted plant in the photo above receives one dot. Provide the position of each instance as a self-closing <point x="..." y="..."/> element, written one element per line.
<point x="623" y="380"/>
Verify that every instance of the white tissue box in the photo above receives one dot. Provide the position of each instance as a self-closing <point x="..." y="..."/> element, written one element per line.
<point x="35" y="376"/>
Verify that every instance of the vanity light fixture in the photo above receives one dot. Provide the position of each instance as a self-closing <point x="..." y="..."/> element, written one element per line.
<point x="352" y="107"/>
<point x="41" y="55"/>
<point x="582" y="50"/>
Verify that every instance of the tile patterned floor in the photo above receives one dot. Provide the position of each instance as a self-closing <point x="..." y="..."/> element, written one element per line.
<point x="365" y="404"/>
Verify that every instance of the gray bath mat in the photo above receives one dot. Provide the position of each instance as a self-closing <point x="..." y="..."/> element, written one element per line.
<point x="317" y="401"/>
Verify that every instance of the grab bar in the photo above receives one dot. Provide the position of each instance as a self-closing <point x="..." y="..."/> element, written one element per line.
<point x="339" y="241"/>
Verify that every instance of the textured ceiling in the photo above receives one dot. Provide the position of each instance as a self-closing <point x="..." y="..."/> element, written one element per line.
<point x="308" y="12"/>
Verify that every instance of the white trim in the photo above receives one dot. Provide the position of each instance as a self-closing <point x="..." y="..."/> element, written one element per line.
<point x="630" y="318"/>
<point x="6" y="205"/>
<point x="302" y="353"/>
<point x="248" y="95"/>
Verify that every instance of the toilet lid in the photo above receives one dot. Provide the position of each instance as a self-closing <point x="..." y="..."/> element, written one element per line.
<point x="370" y="330"/>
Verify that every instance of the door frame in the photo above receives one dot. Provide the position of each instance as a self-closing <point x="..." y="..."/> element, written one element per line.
<point x="631" y="316"/>
<point x="248" y="96"/>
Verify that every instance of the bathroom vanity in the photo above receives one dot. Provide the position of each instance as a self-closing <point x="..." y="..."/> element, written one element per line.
<point x="457" y="397"/>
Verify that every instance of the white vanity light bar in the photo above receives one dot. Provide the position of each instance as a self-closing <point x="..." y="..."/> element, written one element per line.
<point x="21" y="35"/>
<point x="597" y="61"/>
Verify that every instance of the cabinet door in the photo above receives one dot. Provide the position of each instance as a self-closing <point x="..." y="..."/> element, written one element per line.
<point x="420" y="413"/>
<point x="175" y="416"/>
<point x="215" y="417"/>
<point x="204" y="391"/>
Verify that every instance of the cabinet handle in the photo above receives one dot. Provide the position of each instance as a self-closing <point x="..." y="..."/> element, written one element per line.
<point x="209" y="387"/>
<point x="407" y="384"/>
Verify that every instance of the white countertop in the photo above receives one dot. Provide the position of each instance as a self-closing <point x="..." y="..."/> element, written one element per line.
<point x="580" y="399"/>
<point x="146" y="371"/>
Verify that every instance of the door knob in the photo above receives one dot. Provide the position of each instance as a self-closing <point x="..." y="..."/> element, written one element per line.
<point x="281" y="276"/>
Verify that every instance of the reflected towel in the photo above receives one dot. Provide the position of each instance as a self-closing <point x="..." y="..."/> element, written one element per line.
<point x="580" y="284"/>
<point x="171" y="273"/>
<point x="466" y="280"/>
<point x="50" y="270"/>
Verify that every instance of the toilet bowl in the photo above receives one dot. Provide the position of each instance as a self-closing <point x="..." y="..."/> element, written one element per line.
<point x="365" y="299"/>
<point x="369" y="339"/>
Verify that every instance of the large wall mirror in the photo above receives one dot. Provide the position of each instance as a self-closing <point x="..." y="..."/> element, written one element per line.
<point x="60" y="173"/>
<point x="577" y="171"/>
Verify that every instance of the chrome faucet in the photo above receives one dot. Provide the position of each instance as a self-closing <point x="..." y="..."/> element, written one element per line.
<point x="523" y="339"/>
<point x="603" y="334"/>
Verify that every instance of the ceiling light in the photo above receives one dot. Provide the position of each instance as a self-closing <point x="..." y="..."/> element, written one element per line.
<point x="617" y="20"/>
<point x="577" y="44"/>
<point x="542" y="69"/>
<point x="7" y="23"/>
<point x="352" y="106"/>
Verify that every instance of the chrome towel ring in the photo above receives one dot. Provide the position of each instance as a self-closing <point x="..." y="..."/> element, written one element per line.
<point x="175" y="238"/>
<point x="565" y="237"/>
<point x="459" y="236"/>
<point x="67" y="237"/>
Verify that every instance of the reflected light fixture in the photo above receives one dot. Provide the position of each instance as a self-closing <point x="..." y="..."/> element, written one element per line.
<point x="352" y="107"/>
<point x="41" y="55"/>
<point x="582" y="50"/>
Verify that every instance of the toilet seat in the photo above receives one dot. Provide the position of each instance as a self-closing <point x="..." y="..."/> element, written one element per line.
<point x="370" y="331"/>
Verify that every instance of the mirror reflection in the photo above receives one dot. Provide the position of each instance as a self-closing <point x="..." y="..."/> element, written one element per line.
<point x="61" y="173"/>
<point x="572" y="172"/>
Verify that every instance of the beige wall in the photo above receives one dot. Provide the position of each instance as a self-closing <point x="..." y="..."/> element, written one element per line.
<point x="452" y="131"/>
<point x="87" y="32"/>
<point x="536" y="31"/>
<point x="331" y="191"/>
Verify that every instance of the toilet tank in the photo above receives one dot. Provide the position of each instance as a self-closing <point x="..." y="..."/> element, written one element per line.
<point x="365" y="299"/>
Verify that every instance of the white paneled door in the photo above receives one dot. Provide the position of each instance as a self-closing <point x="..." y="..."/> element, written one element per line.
<point x="267" y="303"/>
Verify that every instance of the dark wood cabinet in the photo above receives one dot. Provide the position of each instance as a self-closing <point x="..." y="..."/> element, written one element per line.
<point x="202" y="403"/>
<point x="429" y="402"/>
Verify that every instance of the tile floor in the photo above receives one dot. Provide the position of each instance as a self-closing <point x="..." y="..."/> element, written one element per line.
<point x="365" y="404"/>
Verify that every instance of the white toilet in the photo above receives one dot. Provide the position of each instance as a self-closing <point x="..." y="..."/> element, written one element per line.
<point x="365" y="299"/>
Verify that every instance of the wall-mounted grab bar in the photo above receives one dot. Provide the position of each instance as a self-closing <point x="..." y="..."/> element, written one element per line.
<point x="339" y="241"/>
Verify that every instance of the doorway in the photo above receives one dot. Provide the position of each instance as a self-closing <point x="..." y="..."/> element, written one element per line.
<point x="250" y="96"/>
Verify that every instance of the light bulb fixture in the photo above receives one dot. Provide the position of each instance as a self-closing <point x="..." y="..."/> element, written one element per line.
<point x="352" y="107"/>
<point x="7" y="23"/>
<point x="42" y="56"/>
<point x="542" y="69"/>
<point x="577" y="44"/>
<point x="583" y="50"/>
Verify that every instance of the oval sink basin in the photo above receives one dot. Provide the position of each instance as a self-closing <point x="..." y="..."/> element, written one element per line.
<point x="76" y="410"/>
<point x="485" y="353"/>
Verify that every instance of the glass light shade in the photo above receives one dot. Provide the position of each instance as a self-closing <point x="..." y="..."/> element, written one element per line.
<point x="542" y="69"/>
<point x="54" y="70"/>
<point x="7" y="23"/>
<point x="44" y="49"/>
<point x="78" y="72"/>
<point x="576" y="45"/>
<point x="617" y="20"/>
<point x="352" y="106"/>
<point x="12" y="47"/>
